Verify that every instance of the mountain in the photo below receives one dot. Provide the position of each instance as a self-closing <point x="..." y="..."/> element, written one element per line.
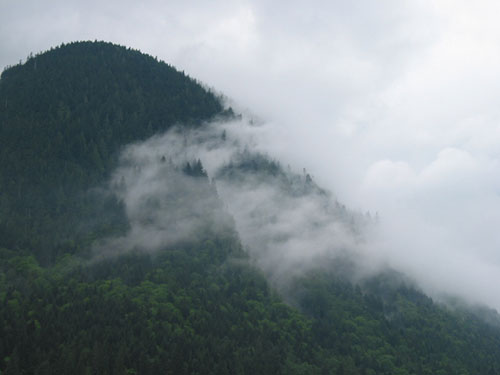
<point x="121" y="254"/>
<point x="65" y="114"/>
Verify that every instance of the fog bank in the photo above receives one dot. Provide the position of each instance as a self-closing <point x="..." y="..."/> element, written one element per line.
<point x="289" y="223"/>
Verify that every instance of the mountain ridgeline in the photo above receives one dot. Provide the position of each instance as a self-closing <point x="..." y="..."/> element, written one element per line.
<point x="119" y="254"/>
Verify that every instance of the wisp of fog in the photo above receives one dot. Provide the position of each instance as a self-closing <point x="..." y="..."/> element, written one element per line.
<point x="285" y="221"/>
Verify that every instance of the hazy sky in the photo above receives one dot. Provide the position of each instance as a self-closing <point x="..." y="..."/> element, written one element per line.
<point x="390" y="104"/>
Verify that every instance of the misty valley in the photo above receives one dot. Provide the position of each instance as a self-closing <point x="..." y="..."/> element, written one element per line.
<point x="144" y="231"/>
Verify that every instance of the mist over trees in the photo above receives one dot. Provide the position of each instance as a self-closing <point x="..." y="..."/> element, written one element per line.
<point x="128" y="250"/>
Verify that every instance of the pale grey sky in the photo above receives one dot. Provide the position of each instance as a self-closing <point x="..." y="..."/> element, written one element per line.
<point x="391" y="104"/>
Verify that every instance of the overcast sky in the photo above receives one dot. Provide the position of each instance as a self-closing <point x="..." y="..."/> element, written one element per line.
<point x="393" y="105"/>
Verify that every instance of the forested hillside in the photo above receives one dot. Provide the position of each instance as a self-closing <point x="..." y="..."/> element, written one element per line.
<point x="114" y="260"/>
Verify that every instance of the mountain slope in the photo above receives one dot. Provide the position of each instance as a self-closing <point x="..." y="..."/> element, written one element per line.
<point x="119" y="259"/>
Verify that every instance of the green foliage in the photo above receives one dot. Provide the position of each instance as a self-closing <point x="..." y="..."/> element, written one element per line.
<point x="200" y="308"/>
<point x="388" y="327"/>
<point x="194" y="309"/>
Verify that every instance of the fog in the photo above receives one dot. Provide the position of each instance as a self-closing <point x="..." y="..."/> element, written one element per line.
<point x="167" y="196"/>
<point x="390" y="105"/>
<point x="286" y="222"/>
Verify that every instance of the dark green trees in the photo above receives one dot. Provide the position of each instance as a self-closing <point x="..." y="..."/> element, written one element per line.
<point x="65" y="115"/>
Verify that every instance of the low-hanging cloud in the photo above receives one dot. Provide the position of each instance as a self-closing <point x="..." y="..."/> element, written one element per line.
<point x="166" y="193"/>
<point x="392" y="105"/>
<point x="287" y="224"/>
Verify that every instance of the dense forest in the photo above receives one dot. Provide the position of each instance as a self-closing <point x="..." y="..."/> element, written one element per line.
<point x="79" y="296"/>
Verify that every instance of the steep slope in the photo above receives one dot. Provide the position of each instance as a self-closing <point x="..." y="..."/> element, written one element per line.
<point x="123" y="259"/>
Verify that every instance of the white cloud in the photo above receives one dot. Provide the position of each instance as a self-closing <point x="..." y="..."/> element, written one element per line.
<point x="388" y="174"/>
